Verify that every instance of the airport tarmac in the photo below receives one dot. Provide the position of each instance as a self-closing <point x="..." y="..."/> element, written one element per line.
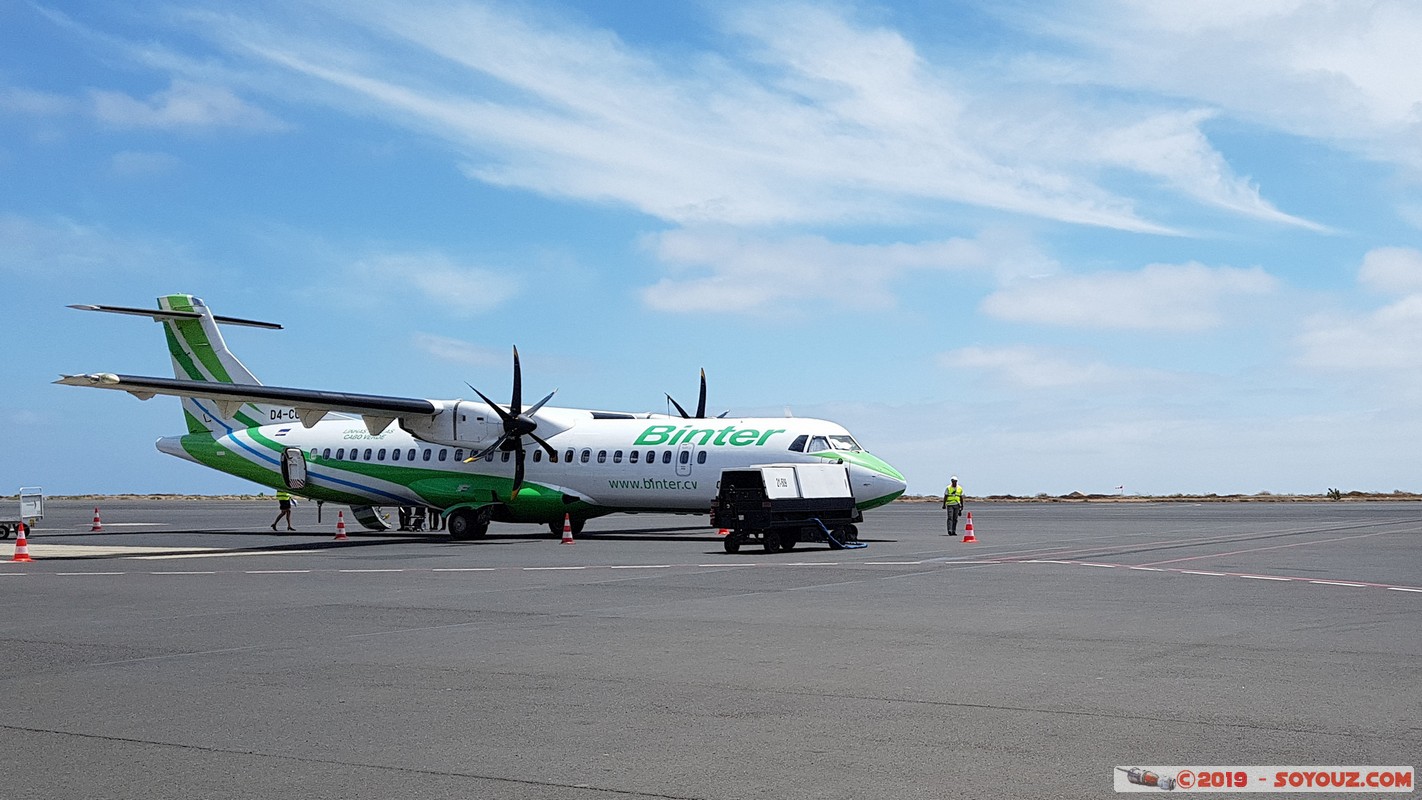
<point x="187" y="651"/>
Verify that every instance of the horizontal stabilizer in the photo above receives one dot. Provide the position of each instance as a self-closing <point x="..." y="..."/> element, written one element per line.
<point x="162" y="314"/>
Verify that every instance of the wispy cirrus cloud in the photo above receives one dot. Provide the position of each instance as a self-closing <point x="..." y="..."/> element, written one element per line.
<point x="1341" y="72"/>
<point x="184" y="105"/>
<point x="802" y="114"/>
<point x="1158" y="297"/>
<point x="436" y="279"/>
<point x="739" y="272"/>
<point x="60" y="247"/>
<point x="1028" y="367"/>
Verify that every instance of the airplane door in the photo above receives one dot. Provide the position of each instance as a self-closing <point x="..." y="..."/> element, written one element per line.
<point x="683" y="458"/>
<point x="293" y="468"/>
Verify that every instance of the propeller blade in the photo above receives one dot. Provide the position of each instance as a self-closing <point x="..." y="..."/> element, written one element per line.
<point x="679" y="409"/>
<point x="518" y="471"/>
<point x="701" y="401"/>
<point x="516" y="407"/>
<point x="503" y="415"/>
<point x="540" y="403"/>
<point x="552" y="454"/>
<point x="488" y="451"/>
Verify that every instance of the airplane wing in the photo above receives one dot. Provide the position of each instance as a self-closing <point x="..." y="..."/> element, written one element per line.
<point x="310" y="405"/>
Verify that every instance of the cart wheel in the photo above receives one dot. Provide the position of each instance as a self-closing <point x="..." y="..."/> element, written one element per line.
<point x="772" y="541"/>
<point x="788" y="539"/>
<point x="732" y="543"/>
<point x="852" y="532"/>
<point x="4" y="531"/>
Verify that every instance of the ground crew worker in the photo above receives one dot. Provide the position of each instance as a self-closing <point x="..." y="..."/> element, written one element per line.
<point x="953" y="502"/>
<point x="284" y="503"/>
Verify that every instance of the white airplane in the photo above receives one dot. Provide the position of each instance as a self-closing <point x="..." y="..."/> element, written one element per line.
<point x="468" y="460"/>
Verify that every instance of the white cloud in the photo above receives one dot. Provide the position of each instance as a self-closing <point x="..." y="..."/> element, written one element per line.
<point x="62" y="248"/>
<point x="1034" y="368"/>
<point x="436" y="279"/>
<point x="134" y="163"/>
<point x="805" y="115"/>
<point x="1388" y="340"/>
<point x="16" y="100"/>
<point x="1344" y="72"/>
<point x="183" y="106"/>
<point x="1397" y="270"/>
<point x="1158" y="297"/>
<point x="458" y="351"/>
<point x="735" y="272"/>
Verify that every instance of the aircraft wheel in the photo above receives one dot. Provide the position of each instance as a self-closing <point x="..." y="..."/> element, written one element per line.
<point x="732" y="543"/>
<point x="466" y="523"/>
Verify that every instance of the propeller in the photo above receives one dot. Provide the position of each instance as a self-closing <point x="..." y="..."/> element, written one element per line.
<point x="517" y="424"/>
<point x="700" y="403"/>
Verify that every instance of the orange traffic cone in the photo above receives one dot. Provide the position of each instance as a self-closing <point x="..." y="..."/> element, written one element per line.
<point x="22" y="547"/>
<point x="341" y="527"/>
<point x="567" y="530"/>
<point x="968" y="531"/>
<point x="98" y="526"/>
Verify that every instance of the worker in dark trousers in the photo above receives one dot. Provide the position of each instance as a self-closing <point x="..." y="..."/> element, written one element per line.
<point x="953" y="503"/>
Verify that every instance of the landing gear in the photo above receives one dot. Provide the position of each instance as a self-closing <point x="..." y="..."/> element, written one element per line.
<point x="468" y="523"/>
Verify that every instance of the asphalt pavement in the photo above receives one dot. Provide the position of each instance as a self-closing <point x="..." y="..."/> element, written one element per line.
<point x="186" y="651"/>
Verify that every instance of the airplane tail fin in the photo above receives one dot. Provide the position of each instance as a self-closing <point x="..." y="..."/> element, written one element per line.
<point x="199" y="353"/>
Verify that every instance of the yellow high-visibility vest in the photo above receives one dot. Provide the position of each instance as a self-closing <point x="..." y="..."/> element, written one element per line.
<point x="953" y="496"/>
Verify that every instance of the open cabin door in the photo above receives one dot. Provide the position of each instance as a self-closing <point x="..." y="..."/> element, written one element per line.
<point x="293" y="468"/>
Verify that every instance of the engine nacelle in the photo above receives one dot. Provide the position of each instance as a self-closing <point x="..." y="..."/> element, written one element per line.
<point x="458" y="423"/>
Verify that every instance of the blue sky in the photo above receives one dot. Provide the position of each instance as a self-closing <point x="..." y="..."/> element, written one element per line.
<point x="1046" y="247"/>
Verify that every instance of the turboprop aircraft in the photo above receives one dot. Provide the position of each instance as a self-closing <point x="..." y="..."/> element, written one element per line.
<point x="468" y="460"/>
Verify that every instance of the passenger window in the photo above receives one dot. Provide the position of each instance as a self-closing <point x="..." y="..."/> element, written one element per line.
<point x="504" y="456"/>
<point x="568" y="456"/>
<point x="395" y="454"/>
<point x="367" y="454"/>
<point x="340" y="454"/>
<point x="537" y="455"/>
<point x="666" y="457"/>
<point x="798" y="446"/>
<point x="443" y="454"/>
<point x="426" y="455"/>
<point x="313" y="452"/>
<point x="632" y="457"/>
<point x="701" y="457"/>
<point x="651" y="456"/>
<point x="458" y="454"/>
<point x="602" y="456"/>
<point x="685" y="457"/>
<point x="587" y="455"/>
<point x="380" y="454"/>
<point x="326" y="453"/>
<point x="617" y="457"/>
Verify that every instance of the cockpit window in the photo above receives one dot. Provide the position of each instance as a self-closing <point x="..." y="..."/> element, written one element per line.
<point x="845" y="442"/>
<point x="798" y="446"/>
<point x="817" y="444"/>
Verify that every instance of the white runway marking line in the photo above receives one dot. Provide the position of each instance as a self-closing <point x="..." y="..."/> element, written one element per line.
<point x="640" y="566"/>
<point x="1264" y="578"/>
<point x="1340" y="583"/>
<point x="182" y="572"/>
<point x="1403" y="589"/>
<point x="1105" y="566"/>
<point x="275" y="571"/>
<point x="548" y="569"/>
<point x="464" y="569"/>
<point x="370" y="570"/>
<point x="895" y="563"/>
<point x="71" y="574"/>
<point x="1199" y="572"/>
<point x="1147" y="569"/>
